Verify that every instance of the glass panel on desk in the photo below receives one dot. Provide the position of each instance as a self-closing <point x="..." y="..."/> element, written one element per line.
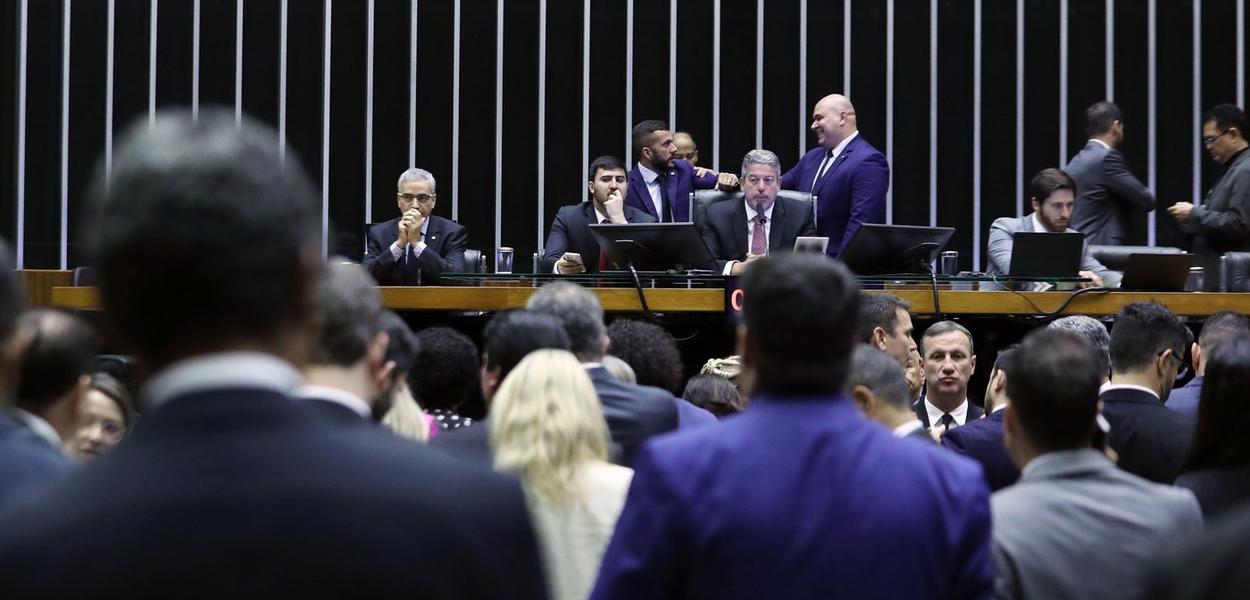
<point x="621" y="279"/>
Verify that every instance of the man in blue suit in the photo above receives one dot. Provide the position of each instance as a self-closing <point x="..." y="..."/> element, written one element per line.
<point x="660" y="184"/>
<point x="845" y="173"/>
<point x="982" y="439"/>
<point x="800" y="496"/>
<point x="1219" y="327"/>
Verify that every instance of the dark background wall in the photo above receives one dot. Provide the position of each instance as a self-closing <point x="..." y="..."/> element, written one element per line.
<point x="52" y="133"/>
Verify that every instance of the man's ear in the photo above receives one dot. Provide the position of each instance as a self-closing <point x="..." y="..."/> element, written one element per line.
<point x="743" y="344"/>
<point x="878" y="338"/>
<point x="1036" y="205"/>
<point x="1196" y="351"/>
<point x="375" y="359"/>
<point x="491" y="379"/>
<point x="864" y="399"/>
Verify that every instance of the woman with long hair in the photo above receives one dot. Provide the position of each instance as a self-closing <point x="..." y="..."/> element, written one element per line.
<point x="1218" y="469"/>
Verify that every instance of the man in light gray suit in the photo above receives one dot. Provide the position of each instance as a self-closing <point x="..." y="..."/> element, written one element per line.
<point x="1108" y="192"/>
<point x="1221" y="223"/>
<point x="1052" y="194"/>
<point x="1074" y="525"/>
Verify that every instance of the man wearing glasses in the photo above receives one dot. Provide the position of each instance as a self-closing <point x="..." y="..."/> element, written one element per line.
<point x="416" y="247"/>
<point x="1221" y="223"/>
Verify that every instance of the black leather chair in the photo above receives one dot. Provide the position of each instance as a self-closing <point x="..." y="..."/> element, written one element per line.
<point x="1238" y="266"/>
<point x="84" y="277"/>
<point x="700" y="201"/>
<point x="475" y="261"/>
<point x="1116" y="257"/>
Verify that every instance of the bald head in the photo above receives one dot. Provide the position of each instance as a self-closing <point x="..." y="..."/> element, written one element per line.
<point x="833" y="120"/>
<point x="686" y="148"/>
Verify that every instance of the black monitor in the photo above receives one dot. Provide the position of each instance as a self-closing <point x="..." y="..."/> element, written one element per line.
<point x="886" y="249"/>
<point x="654" y="246"/>
<point x="1045" y="254"/>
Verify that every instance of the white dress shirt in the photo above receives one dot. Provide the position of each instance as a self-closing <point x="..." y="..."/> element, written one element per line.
<point x="1100" y="142"/>
<point x="935" y="414"/>
<point x="905" y="429"/>
<point x="653" y="187"/>
<point x="750" y="224"/>
<point x="417" y="248"/>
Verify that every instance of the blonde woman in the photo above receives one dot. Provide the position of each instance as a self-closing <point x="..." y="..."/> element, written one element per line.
<point x="547" y="427"/>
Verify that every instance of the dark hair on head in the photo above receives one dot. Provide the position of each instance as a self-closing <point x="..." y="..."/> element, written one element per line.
<point x="879" y="310"/>
<point x="881" y="374"/>
<point x="799" y="311"/>
<point x="203" y="238"/>
<point x="643" y="131"/>
<point x="60" y="351"/>
<point x="650" y="350"/>
<point x="1053" y="381"/>
<point x="1047" y="181"/>
<point x="1226" y="117"/>
<point x="446" y="372"/>
<point x="1004" y="356"/>
<point x="1220" y="440"/>
<point x="1222" y="325"/>
<point x="606" y="162"/>
<point x="714" y="394"/>
<point x="346" y="310"/>
<point x="1143" y="330"/>
<point x="114" y="390"/>
<point x="1100" y="116"/>
<point x="10" y="293"/>
<point x="1094" y="332"/>
<point x="401" y="344"/>
<point x="510" y="336"/>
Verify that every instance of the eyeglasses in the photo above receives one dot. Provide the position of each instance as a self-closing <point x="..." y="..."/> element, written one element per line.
<point x="1207" y="141"/>
<point x="422" y="198"/>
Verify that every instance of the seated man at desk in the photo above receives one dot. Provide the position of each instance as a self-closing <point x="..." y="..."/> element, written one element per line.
<point x="1052" y="194"/>
<point x="740" y="232"/>
<point x="416" y="247"/>
<point x="571" y="248"/>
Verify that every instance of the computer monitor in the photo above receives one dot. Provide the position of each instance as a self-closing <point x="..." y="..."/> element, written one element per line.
<point x="1045" y="254"/>
<point x="1157" y="272"/>
<point x="887" y="249"/>
<point x="676" y="247"/>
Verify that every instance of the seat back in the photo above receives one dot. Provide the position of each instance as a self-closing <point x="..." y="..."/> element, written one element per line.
<point x="1116" y="257"/>
<point x="474" y="261"/>
<point x="1238" y="266"/>
<point x="700" y="200"/>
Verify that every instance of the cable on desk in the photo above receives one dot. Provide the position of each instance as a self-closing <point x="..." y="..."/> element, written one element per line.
<point x="1044" y="315"/>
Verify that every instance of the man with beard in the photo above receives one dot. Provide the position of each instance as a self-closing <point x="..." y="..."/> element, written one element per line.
<point x="571" y="248"/>
<point x="660" y="184"/>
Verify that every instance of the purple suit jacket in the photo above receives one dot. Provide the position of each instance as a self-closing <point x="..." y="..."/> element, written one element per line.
<point x="851" y="193"/>
<point x="680" y="183"/>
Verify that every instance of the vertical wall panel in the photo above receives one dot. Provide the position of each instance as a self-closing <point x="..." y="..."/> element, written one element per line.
<point x="737" y="82"/>
<point x="998" y="119"/>
<point x="217" y="46"/>
<point x="43" y="136"/>
<point x="303" y="86"/>
<point x="173" y="53"/>
<point x="1131" y="87"/>
<point x="694" y="75"/>
<point x="261" y="36"/>
<point x="911" y="115"/>
<point x="607" y="78"/>
<point x="87" y="67"/>
<point x="1175" y="127"/>
<point x="868" y="69"/>
<point x="1086" y="69"/>
<point x="651" y="59"/>
<point x="1041" y="89"/>
<point x="781" y="83"/>
<point x="9" y="56"/>
<point x="434" y="98"/>
<point x="954" y="158"/>
<point x="130" y="62"/>
<point x="477" y="123"/>
<point x="392" y="38"/>
<point x="519" y="220"/>
<point x="347" y="127"/>
<point x="564" y="162"/>
<point x="1219" y="69"/>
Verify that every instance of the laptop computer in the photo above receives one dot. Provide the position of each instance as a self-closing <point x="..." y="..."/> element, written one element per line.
<point x="1157" y="272"/>
<point x="1038" y="254"/>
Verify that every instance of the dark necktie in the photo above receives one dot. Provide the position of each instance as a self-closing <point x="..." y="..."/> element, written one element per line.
<point x="947" y="421"/>
<point x="759" y="237"/>
<point x="412" y="273"/>
<point x="603" y="257"/>
<point x="824" y="166"/>
<point x="665" y="207"/>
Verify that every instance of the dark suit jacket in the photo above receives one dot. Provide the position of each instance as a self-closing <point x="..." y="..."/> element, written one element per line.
<point x="982" y="440"/>
<point x="28" y="463"/>
<point x="1108" y="195"/>
<point x="725" y="231"/>
<point x="974" y="412"/>
<point x="444" y="252"/>
<point x="1222" y="222"/>
<point x="470" y="443"/>
<point x="679" y="183"/>
<point x="570" y="232"/>
<point x="1218" y="490"/>
<point x="1184" y="400"/>
<point x="634" y="413"/>
<point x="851" y="193"/>
<point x="921" y="435"/>
<point x="241" y="493"/>
<point x="1152" y="441"/>
<point x="757" y="507"/>
<point x="1210" y="566"/>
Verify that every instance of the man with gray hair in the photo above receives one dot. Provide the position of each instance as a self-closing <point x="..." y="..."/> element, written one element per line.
<point x="740" y="232"/>
<point x="1096" y="333"/>
<point x="634" y="412"/>
<point x="877" y="385"/>
<point x="416" y="247"/>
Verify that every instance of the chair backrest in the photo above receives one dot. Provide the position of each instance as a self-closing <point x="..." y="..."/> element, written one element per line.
<point x="1116" y="257"/>
<point x="474" y="261"/>
<point x="1238" y="266"/>
<point x="700" y="201"/>
<point x="85" y="277"/>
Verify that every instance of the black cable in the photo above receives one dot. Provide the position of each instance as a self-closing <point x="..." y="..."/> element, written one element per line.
<point x="1043" y="314"/>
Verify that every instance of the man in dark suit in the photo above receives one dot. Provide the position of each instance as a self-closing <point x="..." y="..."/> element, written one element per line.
<point x="1147" y="352"/>
<point x="877" y="385"/>
<point x="416" y="247"/>
<point x="660" y="184"/>
<point x="1218" y="328"/>
<point x="253" y="495"/>
<point x="949" y="362"/>
<point x="1108" y="194"/>
<point x="982" y="439"/>
<point x="1221" y="222"/>
<point x="762" y="505"/>
<point x="634" y="413"/>
<point x="739" y="232"/>
<point x="847" y="176"/>
<point x="571" y="248"/>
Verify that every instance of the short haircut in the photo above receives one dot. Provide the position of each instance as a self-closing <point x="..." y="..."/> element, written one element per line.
<point x="401" y="344"/>
<point x="446" y="373"/>
<point x="1143" y="330"/>
<point x="114" y="390"/>
<point x="942" y="327"/>
<point x="510" y="336"/>
<point x="643" y="131"/>
<point x="760" y="156"/>
<point x="1047" y="181"/>
<point x="1052" y="382"/>
<point x="714" y="394"/>
<point x="1093" y="331"/>
<point x="203" y="238"/>
<point x="1227" y="116"/>
<point x="649" y="350"/>
<point x="1004" y="356"/>
<point x="579" y="311"/>
<point x="1221" y="326"/>
<point x="1220" y="440"/>
<point x="799" y="313"/>
<point x="415" y="174"/>
<point x="1100" y="116"/>
<point x="346" y="313"/>
<point x="10" y="293"/>
<point x="879" y="310"/>
<point x="606" y="162"/>
<point x="61" y="350"/>
<point x="881" y="374"/>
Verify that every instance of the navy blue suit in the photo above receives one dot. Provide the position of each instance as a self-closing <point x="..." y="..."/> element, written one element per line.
<point x="634" y="413"/>
<point x="235" y="493"/>
<point x="851" y="193"/>
<point x="1152" y="441"/>
<point x="982" y="440"/>
<point x="444" y="253"/>
<point x="1184" y="400"/>
<point x="679" y="183"/>
<point x="570" y="232"/>
<point x="28" y="462"/>
<point x="799" y="497"/>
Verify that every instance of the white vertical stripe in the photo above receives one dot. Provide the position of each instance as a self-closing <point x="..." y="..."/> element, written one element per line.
<point x="455" y="118"/>
<point x="1019" y="191"/>
<point x="542" y="123"/>
<point x="65" y="37"/>
<point x="585" y="157"/>
<point x="369" y="41"/>
<point x="1063" y="82"/>
<point x="629" y="77"/>
<point x="759" y="74"/>
<point x="672" y="64"/>
<point x="499" y="125"/>
<point x="802" y="77"/>
<point x="238" y="63"/>
<point x="846" y="48"/>
<point x="1109" y="51"/>
<point x="716" y="85"/>
<point x="412" y="87"/>
<point x="20" y="234"/>
<point x="152" y="66"/>
<point x="889" y="108"/>
<point x="1152" y="98"/>
<point x="108" y="95"/>
<point x="195" y="62"/>
<point x="1241" y="53"/>
<point x="1197" y="102"/>
<point x="976" y="135"/>
<point x="933" y="110"/>
<point x="325" y="127"/>
<point x="282" y="86"/>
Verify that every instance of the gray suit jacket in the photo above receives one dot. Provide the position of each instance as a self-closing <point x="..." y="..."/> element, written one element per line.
<point x="1075" y="526"/>
<point x="1108" y="194"/>
<point x="1001" y="242"/>
<point x="1222" y="222"/>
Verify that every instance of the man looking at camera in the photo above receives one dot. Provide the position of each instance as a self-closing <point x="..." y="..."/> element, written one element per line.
<point x="416" y="247"/>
